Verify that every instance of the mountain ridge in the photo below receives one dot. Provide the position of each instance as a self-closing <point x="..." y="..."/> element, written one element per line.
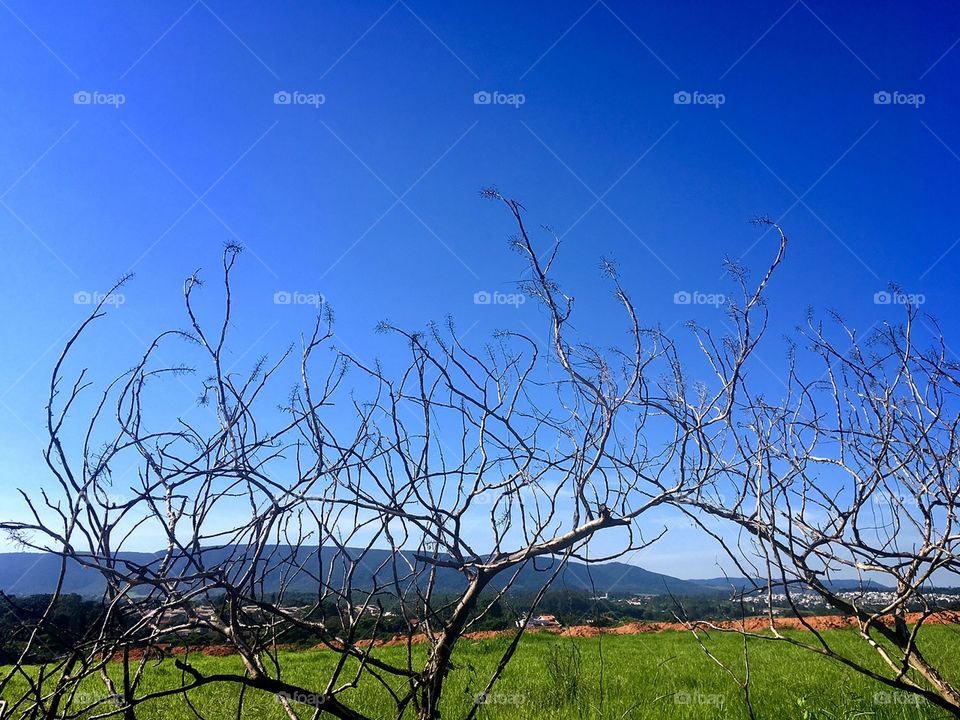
<point x="34" y="573"/>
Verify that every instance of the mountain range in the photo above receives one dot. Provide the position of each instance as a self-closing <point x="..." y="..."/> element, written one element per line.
<point x="24" y="573"/>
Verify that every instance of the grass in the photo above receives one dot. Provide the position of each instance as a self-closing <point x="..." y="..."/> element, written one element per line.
<point x="663" y="675"/>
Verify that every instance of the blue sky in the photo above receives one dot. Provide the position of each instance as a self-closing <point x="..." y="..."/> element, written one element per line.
<point x="370" y="196"/>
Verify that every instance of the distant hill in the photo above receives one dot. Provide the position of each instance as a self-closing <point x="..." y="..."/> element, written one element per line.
<point x="725" y="584"/>
<point x="37" y="573"/>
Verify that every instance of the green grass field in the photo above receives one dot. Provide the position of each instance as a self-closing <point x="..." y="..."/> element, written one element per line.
<point x="643" y="676"/>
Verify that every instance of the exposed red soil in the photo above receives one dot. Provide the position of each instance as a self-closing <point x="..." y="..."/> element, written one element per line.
<point x="751" y="624"/>
<point x="833" y="622"/>
<point x="760" y="624"/>
<point x="155" y="653"/>
<point x="403" y="640"/>
<point x="581" y="631"/>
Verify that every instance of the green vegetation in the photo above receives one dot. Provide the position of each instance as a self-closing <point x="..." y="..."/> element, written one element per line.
<point x="74" y="617"/>
<point x="652" y="676"/>
<point x="71" y="619"/>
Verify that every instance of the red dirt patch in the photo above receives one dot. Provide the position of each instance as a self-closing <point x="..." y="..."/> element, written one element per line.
<point x="581" y="631"/>
<point x="751" y="624"/>
<point x="403" y="640"/>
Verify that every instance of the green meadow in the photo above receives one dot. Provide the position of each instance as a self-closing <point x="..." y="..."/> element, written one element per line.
<point x="654" y="676"/>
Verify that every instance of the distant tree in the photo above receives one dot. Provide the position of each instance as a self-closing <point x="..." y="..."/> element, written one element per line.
<point x="853" y="470"/>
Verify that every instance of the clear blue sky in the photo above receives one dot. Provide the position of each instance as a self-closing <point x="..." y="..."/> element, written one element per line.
<point x="370" y="198"/>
